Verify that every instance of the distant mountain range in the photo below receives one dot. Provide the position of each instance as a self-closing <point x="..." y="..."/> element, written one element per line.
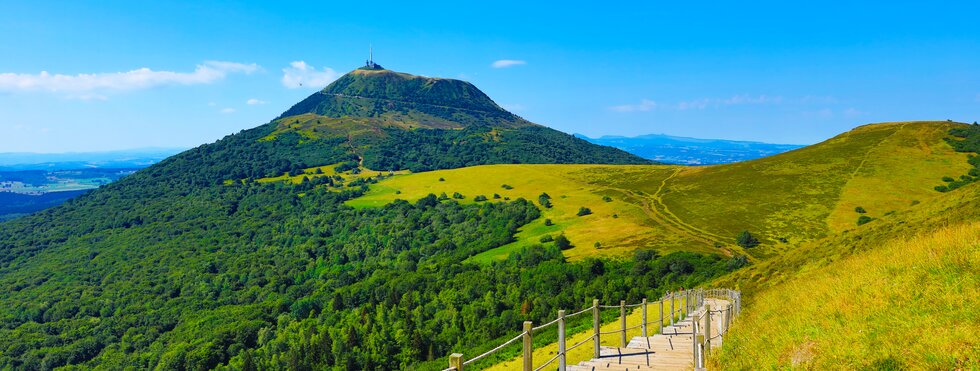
<point x="131" y="158"/>
<point x="691" y="151"/>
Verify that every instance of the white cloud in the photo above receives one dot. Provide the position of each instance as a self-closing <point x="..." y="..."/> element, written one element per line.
<point x="142" y="78"/>
<point x="227" y="110"/>
<point x="254" y="101"/>
<point x="300" y="74"/>
<point x="643" y="106"/>
<point x="731" y="101"/>
<point x="504" y="63"/>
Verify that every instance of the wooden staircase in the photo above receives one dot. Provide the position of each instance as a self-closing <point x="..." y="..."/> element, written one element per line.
<point x="672" y="349"/>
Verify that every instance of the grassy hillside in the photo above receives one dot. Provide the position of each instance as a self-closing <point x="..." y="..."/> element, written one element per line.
<point x="785" y="200"/>
<point x="901" y="293"/>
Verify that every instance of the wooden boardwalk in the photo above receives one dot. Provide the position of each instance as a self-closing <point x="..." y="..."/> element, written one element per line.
<point x="703" y="316"/>
<point x="673" y="349"/>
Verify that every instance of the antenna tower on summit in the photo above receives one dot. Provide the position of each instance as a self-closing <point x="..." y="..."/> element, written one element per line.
<point x="369" y="64"/>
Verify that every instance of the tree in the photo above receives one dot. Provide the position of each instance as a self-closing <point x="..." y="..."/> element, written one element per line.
<point x="548" y="223"/>
<point x="864" y="219"/>
<point x="746" y="240"/>
<point x="860" y="210"/>
<point x="562" y="242"/>
<point x="583" y="211"/>
<point x="545" y="200"/>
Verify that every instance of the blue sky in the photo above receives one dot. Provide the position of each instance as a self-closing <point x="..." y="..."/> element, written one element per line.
<point x="125" y="74"/>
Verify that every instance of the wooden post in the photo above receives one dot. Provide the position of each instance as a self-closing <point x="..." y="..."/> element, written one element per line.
<point x="694" y="338"/>
<point x="707" y="329"/>
<point x="622" y="321"/>
<point x="672" y="309"/>
<point x="528" y="366"/>
<point x="644" y="305"/>
<point x="723" y="325"/>
<point x="456" y="361"/>
<point x="561" y="339"/>
<point x="660" y="323"/>
<point x="595" y="327"/>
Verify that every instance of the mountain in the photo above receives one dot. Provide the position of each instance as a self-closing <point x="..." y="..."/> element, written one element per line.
<point x="397" y="121"/>
<point x="691" y="151"/>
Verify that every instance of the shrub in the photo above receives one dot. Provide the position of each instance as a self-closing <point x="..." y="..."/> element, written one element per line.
<point x="546" y="238"/>
<point x="480" y="198"/>
<point x="597" y="244"/>
<point x="547" y="222"/>
<point x="607" y="198"/>
<point x="506" y="186"/>
<point x="583" y="211"/>
<point x="458" y="196"/>
<point x="496" y="196"/>
<point x="864" y="219"/>
<point x="443" y="196"/>
<point x="746" y="240"/>
<point x="442" y="179"/>
<point x="860" y="210"/>
<point x="948" y="179"/>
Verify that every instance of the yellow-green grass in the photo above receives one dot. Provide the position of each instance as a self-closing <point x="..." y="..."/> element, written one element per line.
<point x="901" y="170"/>
<point x="796" y="194"/>
<point x="585" y="352"/>
<point x="326" y="170"/>
<point x="910" y="303"/>
<point x="619" y="226"/>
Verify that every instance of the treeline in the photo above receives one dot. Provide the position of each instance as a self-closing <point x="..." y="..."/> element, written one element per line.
<point x="431" y="149"/>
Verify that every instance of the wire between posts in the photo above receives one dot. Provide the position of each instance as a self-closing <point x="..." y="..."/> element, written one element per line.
<point x="548" y="363"/>
<point x="491" y="351"/>
<point x="545" y="325"/>
<point x="579" y="344"/>
<point x="579" y="312"/>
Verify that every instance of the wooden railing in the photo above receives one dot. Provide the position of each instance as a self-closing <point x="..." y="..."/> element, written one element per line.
<point x="680" y="303"/>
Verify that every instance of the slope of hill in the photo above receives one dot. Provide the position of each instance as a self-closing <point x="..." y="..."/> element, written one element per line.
<point x="784" y="200"/>
<point x="893" y="295"/>
<point x="691" y="151"/>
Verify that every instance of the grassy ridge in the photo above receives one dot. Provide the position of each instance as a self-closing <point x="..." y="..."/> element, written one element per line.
<point x="786" y="200"/>
<point x="911" y="302"/>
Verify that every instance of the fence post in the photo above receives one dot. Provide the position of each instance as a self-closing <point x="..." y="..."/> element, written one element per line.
<point x="707" y="329"/>
<point x="644" y="305"/>
<point x="722" y="324"/>
<point x="622" y="321"/>
<point x="561" y="339"/>
<point x="660" y="323"/>
<point x="694" y="338"/>
<point x="595" y="327"/>
<point x="456" y="361"/>
<point x="528" y="366"/>
<point x="672" y="309"/>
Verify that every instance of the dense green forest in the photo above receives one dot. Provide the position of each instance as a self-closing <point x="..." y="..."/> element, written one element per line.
<point x="431" y="149"/>
<point x="258" y="275"/>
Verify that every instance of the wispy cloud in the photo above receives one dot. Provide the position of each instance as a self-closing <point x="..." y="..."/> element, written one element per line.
<point x="142" y="78"/>
<point x="698" y="104"/>
<point x="227" y="110"/>
<point x="255" y="101"/>
<point x="643" y="106"/>
<point x="504" y="63"/>
<point x="299" y="74"/>
<point x="730" y="101"/>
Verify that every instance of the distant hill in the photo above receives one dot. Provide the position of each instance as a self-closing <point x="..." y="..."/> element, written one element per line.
<point x="133" y="158"/>
<point x="691" y="151"/>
